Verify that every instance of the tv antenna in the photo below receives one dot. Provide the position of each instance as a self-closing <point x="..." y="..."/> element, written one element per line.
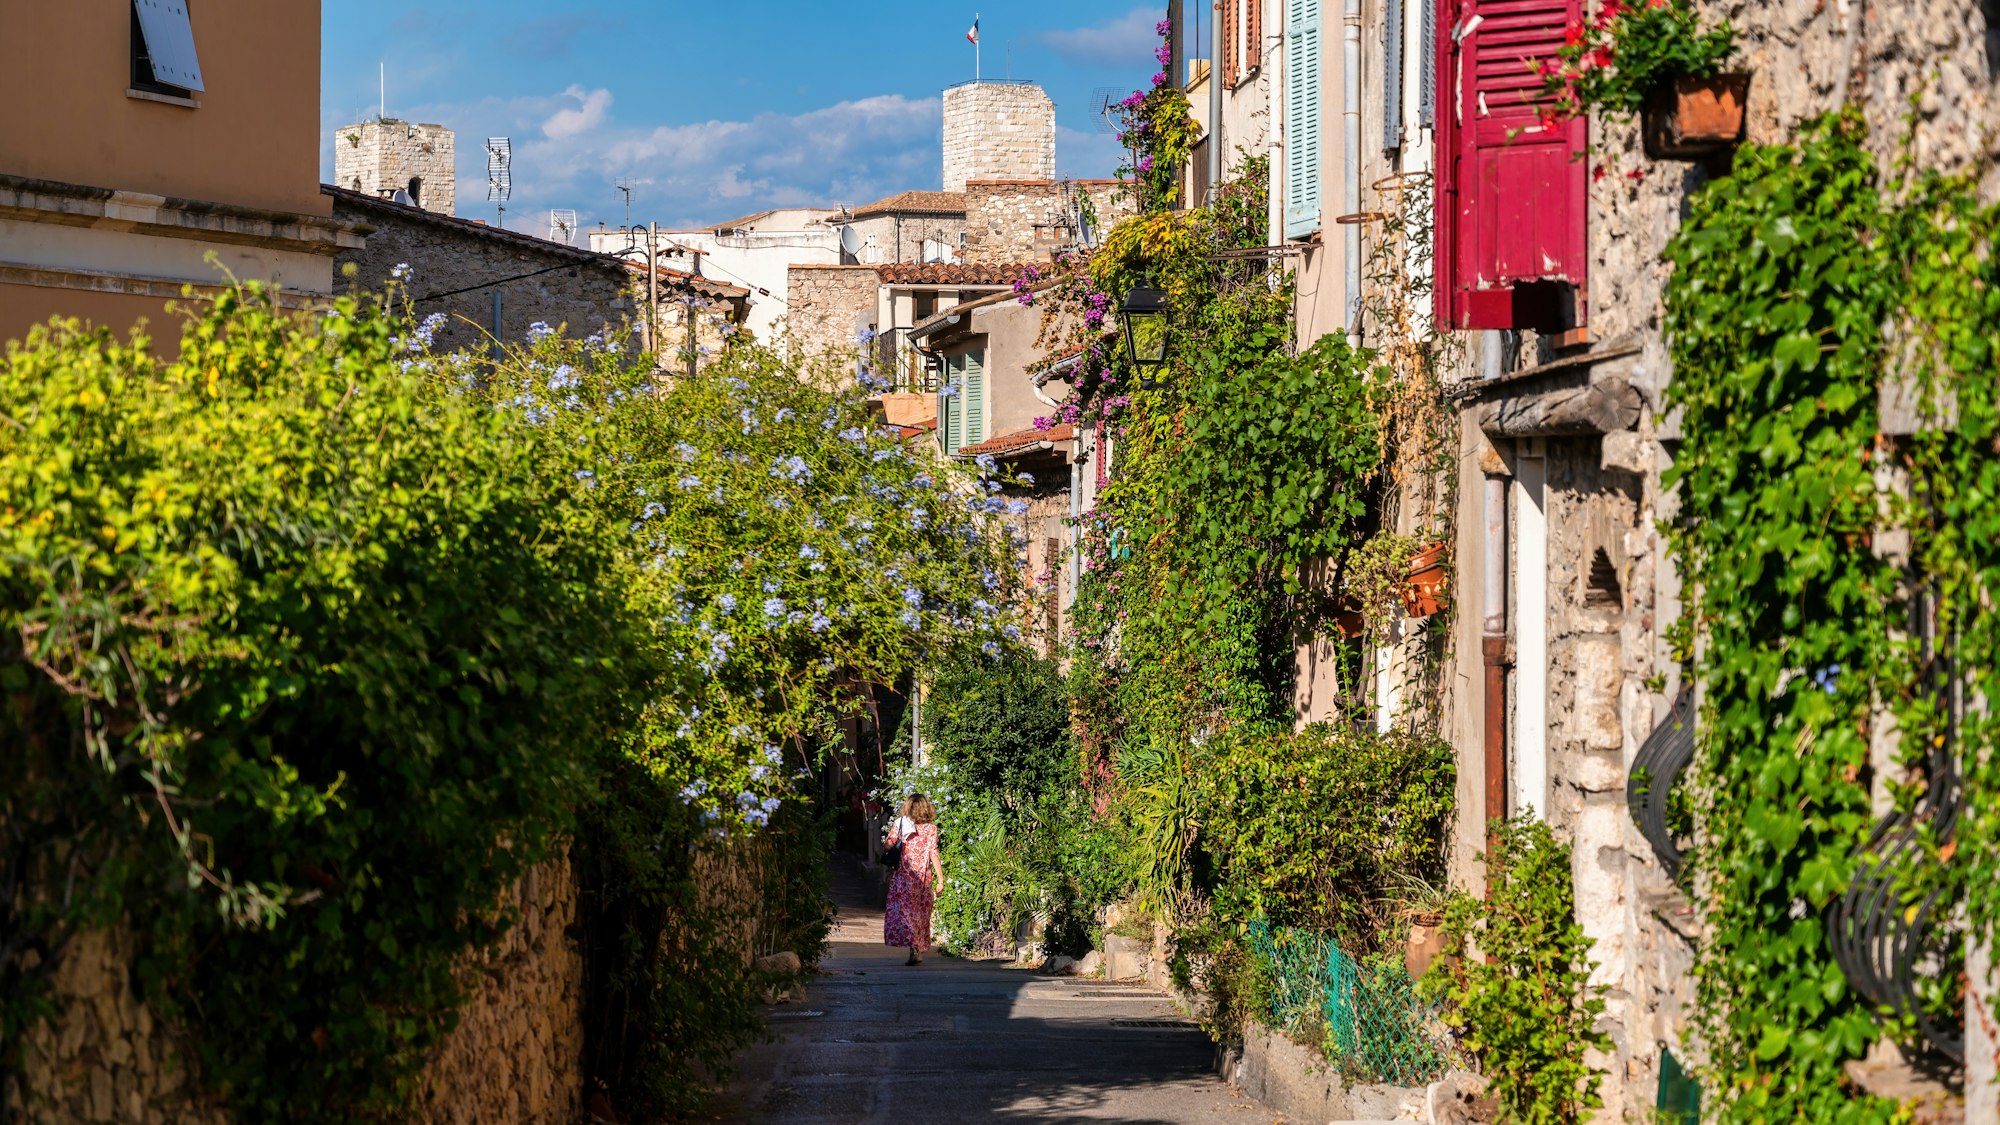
<point x="500" y="173"/>
<point x="626" y="186"/>
<point x="1103" y="102"/>
<point x="562" y="225"/>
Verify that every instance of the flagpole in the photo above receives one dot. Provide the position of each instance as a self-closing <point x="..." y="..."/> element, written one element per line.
<point x="975" y="48"/>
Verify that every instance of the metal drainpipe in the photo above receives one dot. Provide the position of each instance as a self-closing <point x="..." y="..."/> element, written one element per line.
<point x="1273" y="63"/>
<point x="1493" y="639"/>
<point x="1351" y="173"/>
<point x="1215" y="49"/>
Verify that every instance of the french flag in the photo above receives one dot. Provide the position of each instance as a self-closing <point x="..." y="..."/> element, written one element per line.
<point x="972" y="36"/>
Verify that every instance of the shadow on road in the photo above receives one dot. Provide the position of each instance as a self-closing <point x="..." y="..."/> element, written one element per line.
<point x="952" y="1040"/>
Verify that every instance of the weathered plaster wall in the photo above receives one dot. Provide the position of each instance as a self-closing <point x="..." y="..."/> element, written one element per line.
<point x="901" y="238"/>
<point x="829" y="307"/>
<point x="998" y="131"/>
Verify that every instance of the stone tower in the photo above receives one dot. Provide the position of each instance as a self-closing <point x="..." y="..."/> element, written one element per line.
<point x="386" y="156"/>
<point x="998" y="131"/>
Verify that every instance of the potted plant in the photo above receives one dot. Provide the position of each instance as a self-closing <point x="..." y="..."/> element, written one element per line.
<point x="1653" y="59"/>
<point x="1429" y="575"/>
<point x="1422" y="904"/>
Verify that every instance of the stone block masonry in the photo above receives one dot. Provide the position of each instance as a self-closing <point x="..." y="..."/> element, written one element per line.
<point x="828" y="307"/>
<point x="379" y="157"/>
<point x="998" y="131"/>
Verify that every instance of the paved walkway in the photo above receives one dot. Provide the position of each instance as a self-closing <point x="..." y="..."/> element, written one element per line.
<point x="951" y="1041"/>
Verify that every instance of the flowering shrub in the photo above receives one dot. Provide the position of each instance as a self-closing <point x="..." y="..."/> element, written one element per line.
<point x="1613" y="61"/>
<point x="1158" y="132"/>
<point x="317" y="638"/>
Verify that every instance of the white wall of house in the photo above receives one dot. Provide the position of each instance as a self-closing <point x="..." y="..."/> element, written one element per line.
<point x="752" y="257"/>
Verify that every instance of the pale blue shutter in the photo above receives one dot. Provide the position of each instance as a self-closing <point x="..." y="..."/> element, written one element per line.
<point x="1427" y="68"/>
<point x="1302" y="113"/>
<point x="975" y="398"/>
<point x="1392" y="76"/>
<point x="948" y="405"/>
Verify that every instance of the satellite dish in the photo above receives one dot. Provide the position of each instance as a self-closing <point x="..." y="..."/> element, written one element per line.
<point x="850" y="243"/>
<point x="1102" y="101"/>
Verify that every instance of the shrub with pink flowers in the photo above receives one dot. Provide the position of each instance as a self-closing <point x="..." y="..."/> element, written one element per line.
<point x="1613" y="61"/>
<point x="1158" y="132"/>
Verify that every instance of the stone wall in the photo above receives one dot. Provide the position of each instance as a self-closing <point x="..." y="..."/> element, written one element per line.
<point x="537" y="281"/>
<point x="900" y="238"/>
<point x="828" y="307"/>
<point x="383" y="156"/>
<point x="998" y="131"/>
<point x="516" y="1056"/>
<point x="517" y="1053"/>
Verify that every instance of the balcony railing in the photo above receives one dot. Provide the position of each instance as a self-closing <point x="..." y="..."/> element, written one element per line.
<point x="897" y="360"/>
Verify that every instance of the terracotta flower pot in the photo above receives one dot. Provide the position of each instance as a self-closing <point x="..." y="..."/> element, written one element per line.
<point x="1695" y="117"/>
<point x="1424" y="590"/>
<point x="1426" y="941"/>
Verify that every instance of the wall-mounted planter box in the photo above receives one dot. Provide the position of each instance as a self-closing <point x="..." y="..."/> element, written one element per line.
<point x="1424" y="590"/>
<point x="1696" y="117"/>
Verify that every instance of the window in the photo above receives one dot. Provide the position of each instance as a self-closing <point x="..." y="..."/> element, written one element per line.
<point x="1512" y="194"/>
<point x="1242" y="30"/>
<point x="416" y="191"/>
<point x="1302" y="113"/>
<point x="163" y="55"/>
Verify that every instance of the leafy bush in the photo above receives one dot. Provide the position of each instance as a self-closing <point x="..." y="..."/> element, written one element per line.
<point x="1522" y="1001"/>
<point x="318" y="640"/>
<point x="1316" y="829"/>
<point x="1001" y="727"/>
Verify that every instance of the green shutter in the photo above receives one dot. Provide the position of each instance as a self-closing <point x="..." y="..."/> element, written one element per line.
<point x="954" y="417"/>
<point x="975" y="398"/>
<point x="1302" y="113"/>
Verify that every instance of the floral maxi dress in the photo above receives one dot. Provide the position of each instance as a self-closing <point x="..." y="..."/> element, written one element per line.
<point x="907" y="922"/>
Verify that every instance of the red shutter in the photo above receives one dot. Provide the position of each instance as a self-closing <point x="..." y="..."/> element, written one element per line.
<point x="1253" y="34"/>
<point x="1230" y="54"/>
<point x="1512" y="196"/>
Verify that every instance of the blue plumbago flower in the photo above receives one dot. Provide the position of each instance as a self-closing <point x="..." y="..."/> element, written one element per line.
<point x="776" y="501"/>
<point x="1025" y="478"/>
<point x="791" y="468"/>
<point x="983" y="607"/>
<point x="759" y="773"/>
<point x="772" y="585"/>
<point x="539" y="330"/>
<point x="428" y="329"/>
<point x="885" y="454"/>
<point x="756" y="818"/>
<point x="991" y="648"/>
<point x="808" y="552"/>
<point x="984" y="461"/>
<point x="820" y="622"/>
<point x="770" y="804"/>
<point x="612" y="347"/>
<point x="653" y="508"/>
<point x="1016" y="507"/>
<point x="783" y="415"/>
<point x="402" y="272"/>
<point x="740" y="731"/>
<point x="817" y="567"/>
<point x="747" y="800"/>
<point x="694" y="790"/>
<point x="914" y="597"/>
<point x="910" y="618"/>
<point x="750" y="423"/>
<point x="563" y="378"/>
<point x="688" y="483"/>
<point x="710" y="816"/>
<point x="774" y="607"/>
<point x="773" y="754"/>
<point x="1011" y="632"/>
<point x="948" y="390"/>
<point x="726" y="603"/>
<point x="990" y="485"/>
<point x="717" y="494"/>
<point x="855" y="434"/>
<point x="686" y="452"/>
<point x="594" y="341"/>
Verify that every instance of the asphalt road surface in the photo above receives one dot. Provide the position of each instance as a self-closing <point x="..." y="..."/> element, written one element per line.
<point x="951" y="1041"/>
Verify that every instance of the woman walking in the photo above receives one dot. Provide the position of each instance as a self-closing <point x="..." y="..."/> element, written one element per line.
<point x="913" y="885"/>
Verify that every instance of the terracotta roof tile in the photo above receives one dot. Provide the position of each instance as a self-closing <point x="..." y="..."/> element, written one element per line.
<point x="1019" y="441"/>
<point x="951" y="273"/>
<point x="916" y="202"/>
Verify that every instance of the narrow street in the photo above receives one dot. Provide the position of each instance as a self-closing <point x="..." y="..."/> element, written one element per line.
<point x="954" y="1040"/>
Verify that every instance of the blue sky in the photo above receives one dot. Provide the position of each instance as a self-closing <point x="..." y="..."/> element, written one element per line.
<point x="714" y="109"/>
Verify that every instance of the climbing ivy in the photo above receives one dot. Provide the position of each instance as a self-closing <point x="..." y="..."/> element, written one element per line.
<point x="1802" y="285"/>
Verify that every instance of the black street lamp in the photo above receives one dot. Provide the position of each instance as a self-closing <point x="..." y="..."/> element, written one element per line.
<point x="1146" y="311"/>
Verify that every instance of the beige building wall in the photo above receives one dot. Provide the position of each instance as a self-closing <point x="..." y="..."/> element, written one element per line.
<point x="112" y="198"/>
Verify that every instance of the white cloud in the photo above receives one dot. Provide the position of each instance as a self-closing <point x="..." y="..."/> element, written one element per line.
<point x="1128" y="40"/>
<point x="588" y="114"/>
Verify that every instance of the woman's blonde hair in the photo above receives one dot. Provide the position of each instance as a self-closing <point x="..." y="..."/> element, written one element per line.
<point x="920" y="809"/>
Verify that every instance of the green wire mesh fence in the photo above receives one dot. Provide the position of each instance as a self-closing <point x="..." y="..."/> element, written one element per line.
<point x="1365" y="1014"/>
